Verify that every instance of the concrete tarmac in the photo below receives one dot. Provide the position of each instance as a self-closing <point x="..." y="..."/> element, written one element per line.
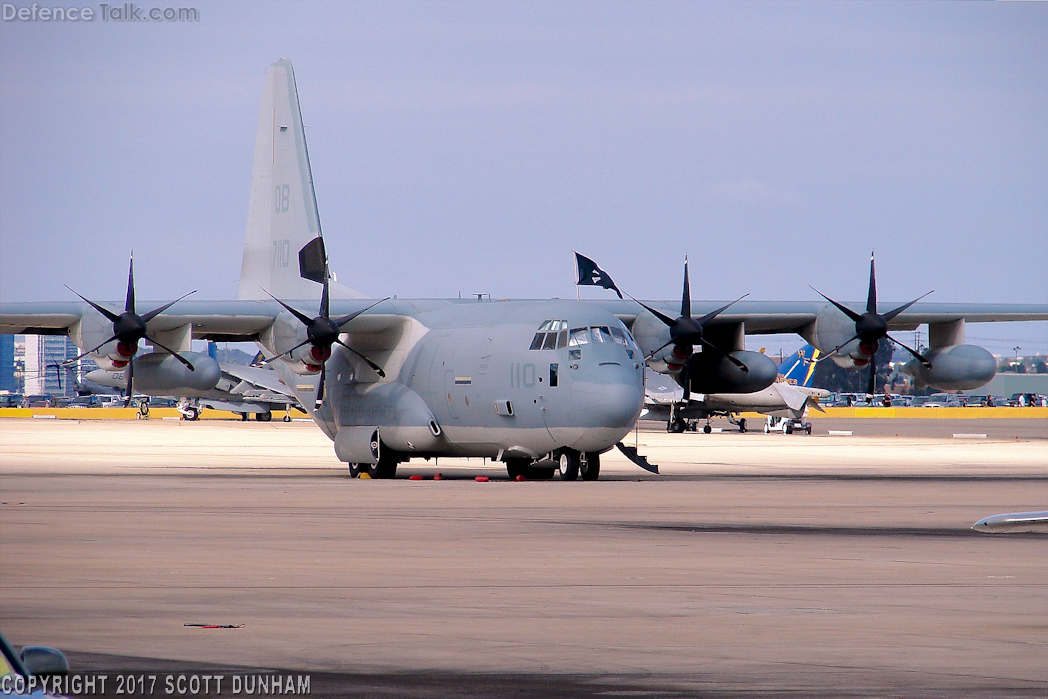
<point x="756" y="565"/>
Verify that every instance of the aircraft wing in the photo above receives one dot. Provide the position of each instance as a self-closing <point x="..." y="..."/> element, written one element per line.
<point x="1013" y="522"/>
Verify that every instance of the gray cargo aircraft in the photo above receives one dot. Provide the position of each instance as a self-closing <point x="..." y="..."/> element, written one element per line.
<point x="541" y="385"/>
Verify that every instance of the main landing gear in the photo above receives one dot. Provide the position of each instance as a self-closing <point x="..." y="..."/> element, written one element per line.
<point x="385" y="469"/>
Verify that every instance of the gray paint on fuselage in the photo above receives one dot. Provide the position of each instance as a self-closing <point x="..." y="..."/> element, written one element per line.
<point x="478" y="353"/>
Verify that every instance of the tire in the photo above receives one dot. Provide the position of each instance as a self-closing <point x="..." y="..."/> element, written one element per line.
<point x="742" y="425"/>
<point x="143" y="409"/>
<point x="676" y="426"/>
<point x="590" y="469"/>
<point x="287" y="416"/>
<point x="193" y="414"/>
<point x="707" y="429"/>
<point x="808" y="429"/>
<point x="789" y="428"/>
<point x="244" y="417"/>
<point x="386" y="468"/>
<point x="568" y="464"/>
<point x="539" y="473"/>
<point x="354" y="470"/>
<point x="516" y="467"/>
<point x="264" y="417"/>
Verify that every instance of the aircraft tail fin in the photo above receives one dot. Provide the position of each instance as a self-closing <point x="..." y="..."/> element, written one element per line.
<point x="282" y="216"/>
<point x="799" y="368"/>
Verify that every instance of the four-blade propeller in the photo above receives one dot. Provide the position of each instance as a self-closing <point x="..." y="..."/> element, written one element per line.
<point x="871" y="326"/>
<point x="322" y="331"/>
<point x="686" y="331"/>
<point x="129" y="328"/>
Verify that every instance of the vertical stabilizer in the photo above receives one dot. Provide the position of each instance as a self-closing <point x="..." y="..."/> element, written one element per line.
<point x="282" y="214"/>
<point x="799" y="369"/>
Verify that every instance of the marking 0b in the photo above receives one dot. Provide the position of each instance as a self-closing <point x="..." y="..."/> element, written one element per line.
<point x="281" y="198"/>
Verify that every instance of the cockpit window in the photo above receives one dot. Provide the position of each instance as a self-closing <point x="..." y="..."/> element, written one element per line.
<point x="552" y="334"/>
<point x="579" y="336"/>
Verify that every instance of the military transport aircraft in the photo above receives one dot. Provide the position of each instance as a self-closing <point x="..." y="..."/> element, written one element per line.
<point x="789" y="396"/>
<point x="538" y="384"/>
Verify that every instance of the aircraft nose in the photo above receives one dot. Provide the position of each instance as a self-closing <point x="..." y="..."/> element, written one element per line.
<point x="615" y="401"/>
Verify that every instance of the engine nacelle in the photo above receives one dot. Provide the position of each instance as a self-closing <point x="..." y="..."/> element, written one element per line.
<point x="403" y="420"/>
<point x="955" y="368"/>
<point x="160" y="374"/>
<point x="307" y="360"/>
<point x="713" y="373"/>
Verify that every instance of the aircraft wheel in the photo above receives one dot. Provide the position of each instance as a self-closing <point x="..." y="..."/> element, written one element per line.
<point x="516" y="467"/>
<point x="387" y="465"/>
<point x="742" y="424"/>
<point x="354" y="470"/>
<point x="590" y="468"/>
<point x="244" y="417"/>
<point x="264" y="417"/>
<point x="287" y="416"/>
<point x="568" y="464"/>
<point x="789" y="428"/>
<point x="707" y="429"/>
<point x="143" y="409"/>
<point x="193" y="414"/>
<point x="808" y="429"/>
<point x="676" y="426"/>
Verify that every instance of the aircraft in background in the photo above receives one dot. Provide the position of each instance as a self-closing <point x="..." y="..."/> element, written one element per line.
<point x="788" y="397"/>
<point x="247" y="390"/>
<point x="541" y="385"/>
<point x="1014" y="522"/>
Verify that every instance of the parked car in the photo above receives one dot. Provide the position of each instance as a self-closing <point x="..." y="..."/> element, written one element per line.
<point x="11" y="400"/>
<point x="37" y="401"/>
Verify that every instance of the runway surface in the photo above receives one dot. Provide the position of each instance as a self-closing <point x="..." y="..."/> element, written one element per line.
<point x="757" y="565"/>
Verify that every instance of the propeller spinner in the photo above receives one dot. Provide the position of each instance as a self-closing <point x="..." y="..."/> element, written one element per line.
<point x="129" y="328"/>
<point x="322" y="332"/>
<point x="686" y="331"/>
<point x="871" y="327"/>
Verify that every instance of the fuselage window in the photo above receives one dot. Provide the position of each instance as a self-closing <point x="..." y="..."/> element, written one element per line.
<point x="579" y="336"/>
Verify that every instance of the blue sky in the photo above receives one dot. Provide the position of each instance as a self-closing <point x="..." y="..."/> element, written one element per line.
<point x="471" y="146"/>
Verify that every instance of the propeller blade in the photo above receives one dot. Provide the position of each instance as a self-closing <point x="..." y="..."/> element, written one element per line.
<point x="58" y="373"/>
<point x="129" y="304"/>
<point x="370" y="363"/>
<point x="173" y="353"/>
<point x="130" y="382"/>
<point x="273" y="359"/>
<point x="742" y="367"/>
<point x="113" y="317"/>
<point x="157" y="311"/>
<point x="843" y="309"/>
<point x="670" y="322"/>
<point x="325" y="300"/>
<point x="320" y="387"/>
<point x="853" y="339"/>
<point x="345" y="319"/>
<point x="660" y="348"/>
<point x="871" y="296"/>
<point x="687" y="380"/>
<point x="74" y="360"/>
<point x="871" y="387"/>
<point x="920" y="357"/>
<point x="713" y="314"/>
<point x="896" y="311"/>
<point x="306" y="320"/>
<point x="685" y="299"/>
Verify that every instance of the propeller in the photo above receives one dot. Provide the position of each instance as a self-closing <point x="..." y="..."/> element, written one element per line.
<point x="322" y="331"/>
<point x="129" y="328"/>
<point x="686" y="331"/>
<point x="871" y="327"/>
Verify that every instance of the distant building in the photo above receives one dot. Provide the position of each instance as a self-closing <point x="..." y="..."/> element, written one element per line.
<point x="1007" y="385"/>
<point x="8" y="382"/>
<point x="42" y="353"/>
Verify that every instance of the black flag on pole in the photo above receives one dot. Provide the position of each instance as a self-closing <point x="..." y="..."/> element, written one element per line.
<point x="592" y="275"/>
